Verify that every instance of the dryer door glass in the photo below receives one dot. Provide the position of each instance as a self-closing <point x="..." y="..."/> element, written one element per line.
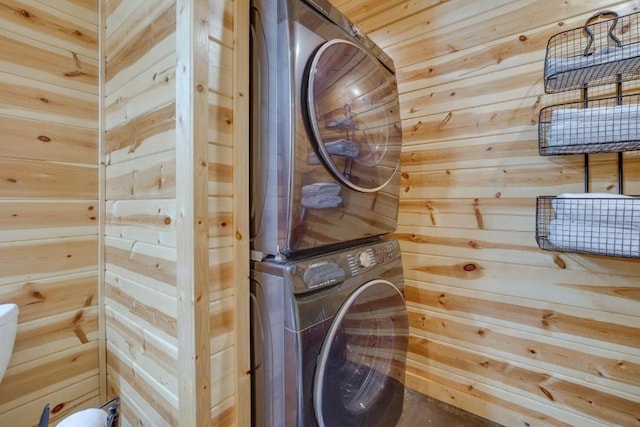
<point x="354" y="116"/>
<point x="359" y="379"/>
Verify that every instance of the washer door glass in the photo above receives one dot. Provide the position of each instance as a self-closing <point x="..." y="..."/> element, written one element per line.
<point x="354" y="115"/>
<point x="360" y="371"/>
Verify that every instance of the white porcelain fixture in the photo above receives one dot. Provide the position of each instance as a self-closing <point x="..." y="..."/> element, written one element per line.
<point x="8" y="328"/>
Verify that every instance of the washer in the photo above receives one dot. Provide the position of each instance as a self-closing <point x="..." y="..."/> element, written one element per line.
<point x="329" y="339"/>
<point x="326" y="133"/>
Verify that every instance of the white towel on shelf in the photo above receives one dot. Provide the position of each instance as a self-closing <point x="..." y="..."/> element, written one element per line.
<point x="599" y="59"/>
<point x="614" y="209"/>
<point x="595" y="237"/>
<point x="600" y="125"/>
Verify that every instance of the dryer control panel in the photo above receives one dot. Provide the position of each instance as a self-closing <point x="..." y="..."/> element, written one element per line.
<point x="333" y="268"/>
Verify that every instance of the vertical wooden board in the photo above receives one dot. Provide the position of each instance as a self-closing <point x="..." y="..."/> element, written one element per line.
<point x="223" y="376"/>
<point x="221" y="225"/>
<point x="221" y="26"/>
<point x="191" y="200"/>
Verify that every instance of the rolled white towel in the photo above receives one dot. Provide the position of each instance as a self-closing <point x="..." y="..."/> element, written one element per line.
<point x="614" y="209"/>
<point x="595" y="237"/>
<point x="92" y="417"/>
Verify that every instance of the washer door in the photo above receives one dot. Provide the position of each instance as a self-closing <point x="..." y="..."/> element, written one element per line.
<point x="360" y="371"/>
<point x="353" y="109"/>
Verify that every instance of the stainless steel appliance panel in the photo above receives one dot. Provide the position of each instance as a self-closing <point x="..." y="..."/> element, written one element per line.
<point x="326" y="136"/>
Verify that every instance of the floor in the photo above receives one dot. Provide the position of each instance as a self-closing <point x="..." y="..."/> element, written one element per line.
<point x="421" y="410"/>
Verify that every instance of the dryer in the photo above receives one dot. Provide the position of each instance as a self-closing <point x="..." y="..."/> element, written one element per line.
<point x="329" y="339"/>
<point x="326" y="133"/>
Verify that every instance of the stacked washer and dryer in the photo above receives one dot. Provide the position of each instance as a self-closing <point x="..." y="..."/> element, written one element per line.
<point x="328" y="316"/>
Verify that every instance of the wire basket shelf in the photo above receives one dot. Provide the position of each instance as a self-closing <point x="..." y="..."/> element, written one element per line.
<point x="591" y="223"/>
<point x="607" y="125"/>
<point x="597" y="53"/>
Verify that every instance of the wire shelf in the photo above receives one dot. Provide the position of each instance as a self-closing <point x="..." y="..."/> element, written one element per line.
<point x="607" y="125"/>
<point x="596" y="224"/>
<point x="595" y="54"/>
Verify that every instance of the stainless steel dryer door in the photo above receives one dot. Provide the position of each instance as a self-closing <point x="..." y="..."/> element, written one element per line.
<point x="353" y="109"/>
<point x="359" y="379"/>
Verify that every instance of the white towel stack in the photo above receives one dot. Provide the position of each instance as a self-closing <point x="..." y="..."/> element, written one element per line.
<point x="321" y="195"/>
<point x="572" y="126"/>
<point x="596" y="223"/>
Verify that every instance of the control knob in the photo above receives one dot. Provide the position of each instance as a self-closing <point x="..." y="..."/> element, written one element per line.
<point x="364" y="260"/>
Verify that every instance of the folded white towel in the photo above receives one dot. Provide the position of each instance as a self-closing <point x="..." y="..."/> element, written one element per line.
<point x="321" y="202"/>
<point x="595" y="237"/>
<point x="342" y="147"/>
<point x="571" y="126"/>
<point x="599" y="59"/>
<point x="614" y="209"/>
<point x="318" y="189"/>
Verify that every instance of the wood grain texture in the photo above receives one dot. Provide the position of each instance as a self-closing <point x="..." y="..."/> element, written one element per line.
<point x="141" y="261"/>
<point x="194" y="371"/>
<point x="49" y="205"/>
<point x="241" y="171"/>
<point x="498" y="327"/>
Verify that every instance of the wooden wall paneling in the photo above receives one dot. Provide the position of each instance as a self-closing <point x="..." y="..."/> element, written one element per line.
<point x="489" y="401"/>
<point x="49" y="212"/>
<point x="38" y="220"/>
<point x="73" y="397"/>
<point x="194" y="369"/>
<point x="149" y="221"/>
<point x="484" y="301"/>
<point x="146" y="93"/>
<point x="150" y="177"/>
<point x="32" y="99"/>
<point x="141" y="257"/>
<point x="596" y="365"/>
<point x="144" y="39"/>
<point x="146" y="135"/>
<point x="46" y="23"/>
<point x="241" y="211"/>
<point x="47" y="63"/>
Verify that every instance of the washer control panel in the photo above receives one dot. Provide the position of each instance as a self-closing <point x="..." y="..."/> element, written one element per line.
<point x="331" y="269"/>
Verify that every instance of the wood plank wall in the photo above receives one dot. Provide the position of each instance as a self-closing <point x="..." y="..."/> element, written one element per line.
<point x="140" y="243"/>
<point x="225" y="283"/>
<point x="141" y="251"/>
<point x="49" y="205"/>
<point x="498" y="327"/>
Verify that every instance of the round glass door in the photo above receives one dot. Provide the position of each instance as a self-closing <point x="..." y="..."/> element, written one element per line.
<point x="354" y="115"/>
<point x="360" y="370"/>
